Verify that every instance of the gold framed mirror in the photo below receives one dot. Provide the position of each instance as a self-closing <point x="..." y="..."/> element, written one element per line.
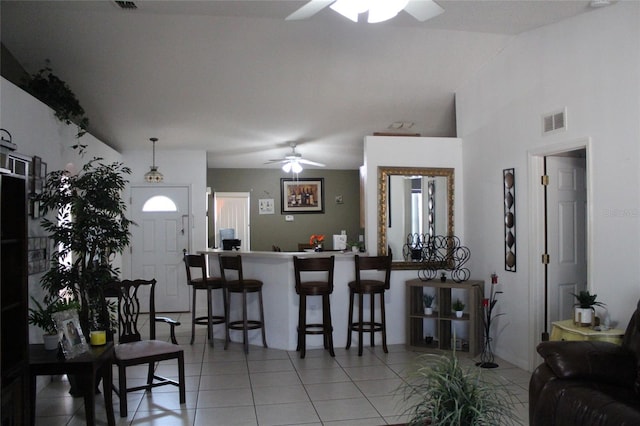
<point x="413" y="200"/>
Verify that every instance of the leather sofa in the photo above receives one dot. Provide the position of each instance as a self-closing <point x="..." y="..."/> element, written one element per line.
<point x="588" y="382"/>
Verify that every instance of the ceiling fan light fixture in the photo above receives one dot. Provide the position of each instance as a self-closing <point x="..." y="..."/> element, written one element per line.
<point x="350" y="9"/>
<point x="380" y="11"/>
<point x="296" y="167"/>
<point x="286" y="167"/>
<point x="153" y="175"/>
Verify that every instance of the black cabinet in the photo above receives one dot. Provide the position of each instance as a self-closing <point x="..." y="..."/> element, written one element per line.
<point x="14" y="300"/>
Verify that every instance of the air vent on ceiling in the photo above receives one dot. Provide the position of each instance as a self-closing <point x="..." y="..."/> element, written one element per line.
<point x="129" y="5"/>
<point x="554" y="122"/>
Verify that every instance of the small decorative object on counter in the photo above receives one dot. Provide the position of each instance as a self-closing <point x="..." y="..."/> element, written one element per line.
<point x="443" y="277"/>
<point x="316" y="241"/>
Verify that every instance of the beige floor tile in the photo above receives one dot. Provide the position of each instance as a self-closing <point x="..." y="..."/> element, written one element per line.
<point x="227" y="416"/>
<point x="224" y="398"/>
<point x="279" y="395"/>
<point x="297" y="413"/>
<point x="337" y="390"/>
<point x="345" y="409"/>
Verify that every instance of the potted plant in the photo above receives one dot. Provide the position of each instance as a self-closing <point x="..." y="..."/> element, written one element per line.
<point x="53" y="91"/>
<point x="42" y="316"/>
<point x="440" y="392"/>
<point x="88" y="229"/>
<point x="585" y="312"/>
<point x="356" y="246"/>
<point x="458" y="307"/>
<point x="427" y="302"/>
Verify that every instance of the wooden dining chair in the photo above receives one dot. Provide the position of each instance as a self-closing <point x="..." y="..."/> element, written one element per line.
<point x="132" y="349"/>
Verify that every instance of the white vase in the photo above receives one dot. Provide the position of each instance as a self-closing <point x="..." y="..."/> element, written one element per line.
<point x="355" y="249"/>
<point x="50" y="341"/>
<point x="459" y="314"/>
<point x="583" y="316"/>
<point x="428" y="311"/>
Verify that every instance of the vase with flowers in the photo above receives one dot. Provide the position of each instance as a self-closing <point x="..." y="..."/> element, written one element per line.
<point x="487" y="359"/>
<point x="316" y="241"/>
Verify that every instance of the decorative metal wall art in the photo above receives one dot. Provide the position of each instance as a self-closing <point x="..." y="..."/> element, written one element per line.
<point x="509" y="180"/>
<point x="438" y="253"/>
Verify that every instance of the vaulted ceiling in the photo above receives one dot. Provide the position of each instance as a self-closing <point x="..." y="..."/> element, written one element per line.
<point x="237" y="80"/>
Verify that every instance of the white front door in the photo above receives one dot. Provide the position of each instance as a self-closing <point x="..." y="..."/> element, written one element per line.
<point x="232" y="211"/>
<point x="158" y="241"/>
<point x="566" y="234"/>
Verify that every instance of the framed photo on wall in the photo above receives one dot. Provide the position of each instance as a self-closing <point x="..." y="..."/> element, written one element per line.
<point x="303" y="195"/>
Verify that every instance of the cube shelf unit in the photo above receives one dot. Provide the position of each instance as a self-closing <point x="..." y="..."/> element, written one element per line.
<point x="443" y="318"/>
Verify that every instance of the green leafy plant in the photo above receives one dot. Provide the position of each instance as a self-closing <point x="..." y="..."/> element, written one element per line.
<point x="55" y="92"/>
<point x="458" y="305"/>
<point x="427" y="300"/>
<point x="440" y="392"/>
<point x="42" y="316"/>
<point x="586" y="300"/>
<point x="88" y="229"/>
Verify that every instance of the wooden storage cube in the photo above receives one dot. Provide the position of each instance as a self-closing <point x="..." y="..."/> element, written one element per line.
<point x="443" y="323"/>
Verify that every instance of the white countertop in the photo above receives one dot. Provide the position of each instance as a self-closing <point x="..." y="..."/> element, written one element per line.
<point x="283" y="254"/>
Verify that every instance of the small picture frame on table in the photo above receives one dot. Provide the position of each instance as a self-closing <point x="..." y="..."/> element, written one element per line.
<point x="73" y="341"/>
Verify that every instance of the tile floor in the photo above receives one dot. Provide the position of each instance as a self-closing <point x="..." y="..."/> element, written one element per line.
<point x="269" y="387"/>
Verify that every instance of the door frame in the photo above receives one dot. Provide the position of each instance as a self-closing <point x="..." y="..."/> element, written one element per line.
<point x="535" y="158"/>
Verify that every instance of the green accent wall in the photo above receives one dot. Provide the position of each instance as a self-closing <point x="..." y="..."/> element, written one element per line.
<point x="272" y="229"/>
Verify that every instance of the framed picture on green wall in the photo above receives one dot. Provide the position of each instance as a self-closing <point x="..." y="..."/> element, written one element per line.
<point x="303" y="195"/>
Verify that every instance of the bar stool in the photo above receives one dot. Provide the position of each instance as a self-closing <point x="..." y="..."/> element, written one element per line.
<point x="314" y="287"/>
<point x="382" y="264"/>
<point x="242" y="286"/>
<point x="205" y="282"/>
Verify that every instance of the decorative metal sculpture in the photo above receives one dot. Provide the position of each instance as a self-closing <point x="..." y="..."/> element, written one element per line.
<point x="439" y="252"/>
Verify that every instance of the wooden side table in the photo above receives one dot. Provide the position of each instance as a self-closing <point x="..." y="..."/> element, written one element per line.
<point x="85" y="367"/>
<point x="567" y="330"/>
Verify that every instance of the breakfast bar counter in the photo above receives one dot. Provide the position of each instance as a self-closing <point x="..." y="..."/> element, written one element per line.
<point x="275" y="270"/>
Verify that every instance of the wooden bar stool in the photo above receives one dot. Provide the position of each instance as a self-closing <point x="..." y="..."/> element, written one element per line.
<point x="197" y="262"/>
<point x="242" y="286"/>
<point x="381" y="264"/>
<point x="314" y="287"/>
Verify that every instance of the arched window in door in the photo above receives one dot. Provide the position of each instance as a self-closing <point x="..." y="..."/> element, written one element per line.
<point x="159" y="203"/>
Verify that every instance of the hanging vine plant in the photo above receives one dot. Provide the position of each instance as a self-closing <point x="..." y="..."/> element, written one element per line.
<point x="55" y="92"/>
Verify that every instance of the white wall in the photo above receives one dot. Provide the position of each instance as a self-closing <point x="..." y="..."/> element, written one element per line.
<point x="589" y="64"/>
<point x="36" y="131"/>
<point x="179" y="167"/>
<point x="406" y="152"/>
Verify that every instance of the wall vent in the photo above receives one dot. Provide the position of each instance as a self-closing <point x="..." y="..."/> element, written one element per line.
<point x="554" y="122"/>
<point x="128" y="5"/>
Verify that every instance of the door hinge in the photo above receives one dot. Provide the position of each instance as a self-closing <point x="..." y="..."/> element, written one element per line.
<point x="544" y="180"/>
<point x="545" y="259"/>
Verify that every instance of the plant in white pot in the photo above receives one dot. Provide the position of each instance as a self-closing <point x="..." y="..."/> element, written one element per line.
<point x="427" y="301"/>
<point x="458" y="307"/>
<point x="585" y="308"/>
<point x="42" y="316"/>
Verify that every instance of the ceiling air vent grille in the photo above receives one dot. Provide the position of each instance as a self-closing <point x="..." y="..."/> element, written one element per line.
<point x="129" y="5"/>
<point x="554" y="122"/>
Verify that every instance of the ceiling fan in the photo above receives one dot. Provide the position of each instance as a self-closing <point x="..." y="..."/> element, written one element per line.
<point x="379" y="10"/>
<point x="293" y="161"/>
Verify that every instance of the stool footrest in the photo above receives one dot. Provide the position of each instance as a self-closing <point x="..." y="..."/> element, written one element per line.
<point x="319" y="329"/>
<point x="239" y="325"/>
<point x="215" y="319"/>
<point x="367" y="327"/>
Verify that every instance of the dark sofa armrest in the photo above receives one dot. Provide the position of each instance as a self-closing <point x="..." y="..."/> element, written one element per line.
<point x="173" y="324"/>
<point x="590" y="360"/>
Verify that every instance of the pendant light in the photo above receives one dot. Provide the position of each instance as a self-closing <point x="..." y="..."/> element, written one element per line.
<point x="153" y="175"/>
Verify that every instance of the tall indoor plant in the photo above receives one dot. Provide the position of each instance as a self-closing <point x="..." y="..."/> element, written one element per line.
<point x="88" y="229"/>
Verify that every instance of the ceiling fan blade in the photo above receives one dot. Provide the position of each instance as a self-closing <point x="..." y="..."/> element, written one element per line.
<point x="308" y="10"/>
<point x="276" y="161"/>
<point x="423" y="10"/>
<point x="310" y="163"/>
